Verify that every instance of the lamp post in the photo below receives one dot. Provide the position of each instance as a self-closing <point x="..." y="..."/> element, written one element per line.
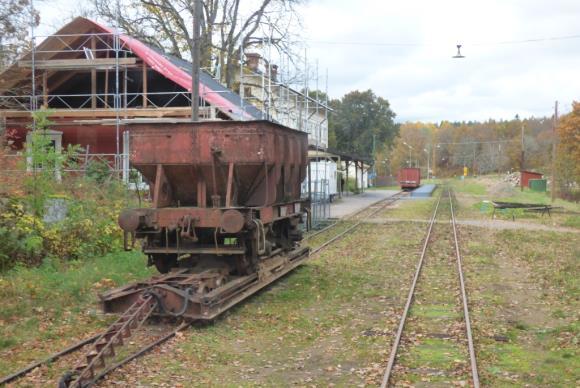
<point x="437" y="146"/>
<point x="410" y="156"/>
<point x="387" y="168"/>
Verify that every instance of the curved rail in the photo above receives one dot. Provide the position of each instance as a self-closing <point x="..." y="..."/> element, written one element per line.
<point x="71" y="349"/>
<point x="140" y="353"/>
<point x="410" y="297"/>
<point x="398" y="195"/>
<point x="387" y="201"/>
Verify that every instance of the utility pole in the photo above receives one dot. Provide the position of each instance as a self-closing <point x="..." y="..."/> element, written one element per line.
<point x="195" y="60"/>
<point x="554" y="148"/>
<point x="522" y="161"/>
<point x="428" y="157"/>
<point x="433" y="162"/>
<point x="33" y="57"/>
<point x="374" y="159"/>
<point x="473" y="162"/>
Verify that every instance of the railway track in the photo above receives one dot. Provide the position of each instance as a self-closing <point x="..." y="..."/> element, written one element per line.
<point x="434" y="340"/>
<point x="101" y="359"/>
<point x="76" y="349"/>
<point x="359" y="216"/>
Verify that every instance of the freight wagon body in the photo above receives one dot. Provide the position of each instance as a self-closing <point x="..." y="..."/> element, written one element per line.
<point x="225" y="214"/>
<point x="220" y="189"/>
<point x="409" y="178"/>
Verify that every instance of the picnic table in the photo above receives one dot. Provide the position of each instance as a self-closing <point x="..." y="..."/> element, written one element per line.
<point x="528" y="207"/>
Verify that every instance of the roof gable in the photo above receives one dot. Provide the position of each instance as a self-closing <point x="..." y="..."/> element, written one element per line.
<point x="175" y="69"/>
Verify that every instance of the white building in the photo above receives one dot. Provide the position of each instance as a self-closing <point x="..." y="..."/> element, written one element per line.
<point x="279" y="102"/>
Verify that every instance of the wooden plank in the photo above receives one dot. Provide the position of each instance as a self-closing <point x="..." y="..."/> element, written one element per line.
<point x="79" y="64"/>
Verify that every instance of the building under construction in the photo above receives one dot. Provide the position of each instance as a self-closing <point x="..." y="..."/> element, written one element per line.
<point x="95" y="81"/>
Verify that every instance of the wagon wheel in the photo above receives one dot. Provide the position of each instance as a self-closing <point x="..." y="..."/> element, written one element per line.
<point x="164" y="262"/>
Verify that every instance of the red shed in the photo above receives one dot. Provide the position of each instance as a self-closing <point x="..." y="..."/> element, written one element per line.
<point x="527" y="175"/>
<point x="409" y="178"/>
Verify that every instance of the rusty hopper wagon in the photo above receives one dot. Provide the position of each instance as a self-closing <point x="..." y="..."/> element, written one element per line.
<point x="225" y="213"/>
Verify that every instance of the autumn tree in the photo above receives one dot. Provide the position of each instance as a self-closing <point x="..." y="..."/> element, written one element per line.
<point x="225" y="26"/>
<point x="568" y="162"/>
<point x="413" y="146"/>
<point x="361" y="118"/>
<point x="482" y="146"/>
<point x="15" y="19"/>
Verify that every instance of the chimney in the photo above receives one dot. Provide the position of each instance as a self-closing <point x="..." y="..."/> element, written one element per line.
<point x="274" y="72"/>
<point x="253" y="60"/>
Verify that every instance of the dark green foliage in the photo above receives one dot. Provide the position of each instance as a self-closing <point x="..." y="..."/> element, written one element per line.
<point x="98" y="170"/>
<point x="357" y="117"/>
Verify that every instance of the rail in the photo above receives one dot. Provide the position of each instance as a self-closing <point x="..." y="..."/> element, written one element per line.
<point x="410" y="297"/>
<point x="397" y="195"/>
<point x="382" y="204"/>
<point x="473" y="361"/>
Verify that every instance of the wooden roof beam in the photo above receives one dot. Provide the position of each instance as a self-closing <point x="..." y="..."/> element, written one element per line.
<point x="79" y="64"/>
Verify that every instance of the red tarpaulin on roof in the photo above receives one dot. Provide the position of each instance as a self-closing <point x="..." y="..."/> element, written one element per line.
<point x="165" y="67"/>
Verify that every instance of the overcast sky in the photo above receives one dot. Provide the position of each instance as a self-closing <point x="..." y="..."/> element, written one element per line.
<point x="423" y="82"/>
<point x="402" y="51"/>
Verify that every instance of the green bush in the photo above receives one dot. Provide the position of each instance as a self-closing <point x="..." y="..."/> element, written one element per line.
<point x="98" y="170"/>
<point x="89" y="229"/>
<point x="93" y="203"/>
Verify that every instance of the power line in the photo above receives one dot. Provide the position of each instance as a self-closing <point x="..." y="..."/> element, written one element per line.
<point x="481" y="142"/>
<point x="417" y="44"/>
<point x="353" y="43"/>
<point x="524" y="41"/>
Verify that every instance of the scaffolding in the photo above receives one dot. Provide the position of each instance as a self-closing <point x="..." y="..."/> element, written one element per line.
<point x="103" y="60"/>
<point x="272" y="91"/>
<point x="105" y="55"/>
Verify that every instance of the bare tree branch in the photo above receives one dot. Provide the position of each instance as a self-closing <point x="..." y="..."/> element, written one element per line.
<point x="224" y="26"/>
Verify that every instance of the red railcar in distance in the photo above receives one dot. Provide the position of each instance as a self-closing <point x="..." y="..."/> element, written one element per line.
<point x="409" y="178"/>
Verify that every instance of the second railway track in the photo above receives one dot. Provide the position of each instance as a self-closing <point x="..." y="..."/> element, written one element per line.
<point x="357" y="217"/>
<point x="434" y="342"/>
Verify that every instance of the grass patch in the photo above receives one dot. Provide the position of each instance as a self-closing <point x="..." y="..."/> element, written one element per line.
<point x="527" y="292"/>
<point x="435" y="311"/>
<point x="468" y="187"/>
<point x="572" y="222"/>
<point x="433" y="353"/>
<point x="46" y="305"/>
<point x="410" y="208"/>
